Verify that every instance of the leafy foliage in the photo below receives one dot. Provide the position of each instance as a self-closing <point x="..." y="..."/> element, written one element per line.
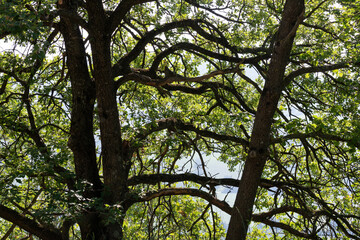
<point x="186" y="78"/>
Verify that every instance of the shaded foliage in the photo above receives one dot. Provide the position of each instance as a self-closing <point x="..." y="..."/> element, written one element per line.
<point x="111" y="110"/>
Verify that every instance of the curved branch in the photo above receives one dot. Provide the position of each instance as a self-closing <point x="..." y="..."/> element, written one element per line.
<point x="121" y="10"/>
<point x="29" y="225"/>
<point x="43" y="149"/>
<point x="193" y="23"/>
<point x="196" y="4"/>
<point x="339" y="219"/>
<point x="186" y="89"/>
<point x="284" y="227"/>
<point x="138" y="77"/>
<point x="265" y="218"/>
<point x="320" y="28"/>
<point x="222" y="40"/>
<point x="192" y="47"/>
<point x="265" y="183"/>
<point x="304" y="212"/>
<point x="302" y="71"/>
<point x="153" y="179"/>
<point x="185" y="191"/>
<point x="196" y="49"/>
<point x="145" y="79"/>
<point x="315" y="9"/>
<point x="148" y="37"/>
<point x="175" y="124"/>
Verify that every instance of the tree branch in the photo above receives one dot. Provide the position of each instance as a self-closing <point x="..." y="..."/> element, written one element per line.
<point x="75" y="18"/>
<point x="185" y="191"/>
<point x="304" y="212"/>
<point x="265" y="183"/>
<point x="148" y="37"/>
<point x="172" y="178"/>
<point x="196" y="4"/>
<point x="320" y="28"/>
<point x="46" y="233"/>
<point x="317" y="134"/>
<point x="302" y="71"/>
<point x="175" y="124"/>
<point x="138" y="77"/>
<point x="195" y="48"/>
<point x="121" y="10"/>
<point x="193" y="23"/>
<point x="192" y="47"/>
<point x="285" y="227"/>
<point x="186" y="89"/>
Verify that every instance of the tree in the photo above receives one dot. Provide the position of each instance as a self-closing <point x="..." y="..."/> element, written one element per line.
<point x="107" y="106"/>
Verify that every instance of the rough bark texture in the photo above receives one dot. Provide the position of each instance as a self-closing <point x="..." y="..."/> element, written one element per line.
<point x="92" y="222"/>
<point x="260" y="138"/>
<point x="110" y="133"/>
<point x="82" y="141"/>
<point x="30" y="225"/>
<point x="114" y="150"/>
<point x="116" y="153"/>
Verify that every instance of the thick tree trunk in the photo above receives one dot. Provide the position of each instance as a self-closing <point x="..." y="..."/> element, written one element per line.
<point x="94" y="223"/>
<point x="82" y="141"/>
<point x="111" y="143"/>
<point x="258" y="150"/>
<point x="115" y="151"/>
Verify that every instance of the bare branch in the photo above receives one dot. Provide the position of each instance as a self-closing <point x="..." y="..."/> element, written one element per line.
<point x="320" y="28"/>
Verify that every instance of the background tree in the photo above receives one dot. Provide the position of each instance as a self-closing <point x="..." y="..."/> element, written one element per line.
<point x="110" y="111"/>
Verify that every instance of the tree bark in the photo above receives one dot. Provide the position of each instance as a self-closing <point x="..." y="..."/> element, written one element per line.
<point x="81" y="141"/>
<point x="93" y="222"/>
<point x="110" y="132"/>
<point x="260" y="138"/>
<point x="115" y="152"/>
<point x="30" y="225"/>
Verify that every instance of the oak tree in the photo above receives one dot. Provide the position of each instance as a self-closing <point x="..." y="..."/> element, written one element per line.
<point x="110" y="112"/>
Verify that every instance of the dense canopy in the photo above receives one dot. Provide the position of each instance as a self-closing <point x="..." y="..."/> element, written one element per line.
<point x="111" y="110"/>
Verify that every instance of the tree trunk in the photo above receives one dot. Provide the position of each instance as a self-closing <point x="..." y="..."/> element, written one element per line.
<point x="260" y="137"/>
<point x="95" y="223"/>
<point x="82" y="141"/>
<point x="115" y="151"/>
